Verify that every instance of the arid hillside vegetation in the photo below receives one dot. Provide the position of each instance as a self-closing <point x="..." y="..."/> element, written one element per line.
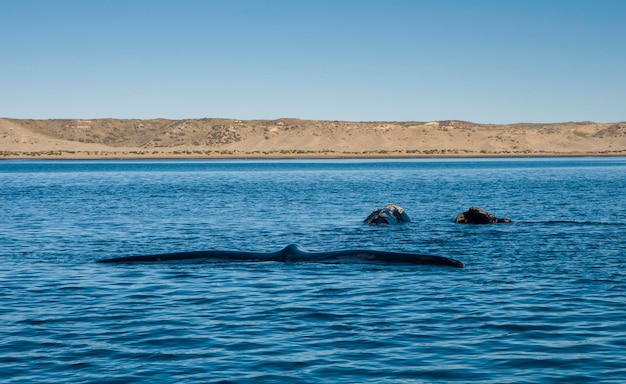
<point x="103" y="138"/>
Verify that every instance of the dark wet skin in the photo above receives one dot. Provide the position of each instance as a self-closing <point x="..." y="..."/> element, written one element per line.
<point x="293" y="253"/>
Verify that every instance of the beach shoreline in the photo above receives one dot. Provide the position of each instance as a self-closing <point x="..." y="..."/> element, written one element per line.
<point x="172" y="156"/>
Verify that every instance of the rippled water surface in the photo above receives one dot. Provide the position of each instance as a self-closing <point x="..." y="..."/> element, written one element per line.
<point x="541" y="299"/>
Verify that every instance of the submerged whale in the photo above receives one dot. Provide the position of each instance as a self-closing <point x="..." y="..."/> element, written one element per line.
<point x="293" y="253"/>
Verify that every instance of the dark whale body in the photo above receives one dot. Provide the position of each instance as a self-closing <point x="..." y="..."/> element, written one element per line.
<point x="293" y="253"/>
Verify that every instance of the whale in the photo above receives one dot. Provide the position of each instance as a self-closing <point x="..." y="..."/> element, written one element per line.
<point x="294" y="253"/>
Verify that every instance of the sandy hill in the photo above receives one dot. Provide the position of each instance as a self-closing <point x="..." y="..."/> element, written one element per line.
<point x="67" y="138"/>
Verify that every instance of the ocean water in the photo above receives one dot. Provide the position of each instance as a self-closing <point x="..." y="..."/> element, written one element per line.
<point x="541" y="300"/>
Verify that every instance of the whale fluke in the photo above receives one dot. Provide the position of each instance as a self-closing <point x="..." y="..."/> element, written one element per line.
<point x="293" y="253"/>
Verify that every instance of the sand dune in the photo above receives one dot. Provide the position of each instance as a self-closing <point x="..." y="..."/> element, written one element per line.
<point x="224" y="138"/>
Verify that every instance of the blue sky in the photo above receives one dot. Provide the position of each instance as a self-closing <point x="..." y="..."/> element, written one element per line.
<point x="486" y="61"/>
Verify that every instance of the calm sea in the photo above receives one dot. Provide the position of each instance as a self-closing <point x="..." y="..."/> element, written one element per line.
<point x="541" y="300"/>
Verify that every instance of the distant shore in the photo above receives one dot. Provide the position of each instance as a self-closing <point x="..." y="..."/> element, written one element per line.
<point x="242" y="156"/>
<point x="307" y="139"/>
<point x="173" y="156"/>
